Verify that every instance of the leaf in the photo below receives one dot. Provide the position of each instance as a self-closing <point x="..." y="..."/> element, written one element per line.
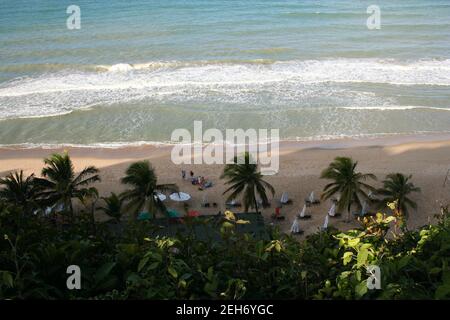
<point x="347" y="257"/>
<point x="230" y="216"/>
<point x="172" y="272"/>
<point x="8" y="279"/>
<point x="361" y="259"/>
<point x="153" y="266"/>
<point x="142" y="263"/>
<point x="353" y="242"/>
<point x="361" y="289"/>
<point x="104" y="271"/>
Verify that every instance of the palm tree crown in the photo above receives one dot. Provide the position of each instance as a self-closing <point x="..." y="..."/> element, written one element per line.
<point x="397" y="187"/>
<point x="244" y="177"/>
<point x="347" y="182"/>
<point x="144" y="188"/>
<point x="113" y="206"/>
<point x="18" y="190"/>
<point x="60" y="183"/>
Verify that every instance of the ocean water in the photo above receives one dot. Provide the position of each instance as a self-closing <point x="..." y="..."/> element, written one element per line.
<point x="137" y="70"/>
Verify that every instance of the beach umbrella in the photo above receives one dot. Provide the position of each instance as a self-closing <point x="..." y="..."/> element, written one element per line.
<point x="172" y="213"/>
<point x="295" y="228"/>
<point x="144" y="215"/>
<point x="364" y="208"/>
<point x="160" y="196"/>
<point x="325" y="223"/>
<point x="179" y="196"/>
<point x="193" y="213"/>
<point x="302" y="213"/>
<point x="311" y="197"/>
<point x="284" y="198"/>
<point x="332" y="211"/>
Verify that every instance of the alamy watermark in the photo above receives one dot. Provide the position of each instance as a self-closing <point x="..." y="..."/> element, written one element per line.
<point x="73" y="22"/>
<point x="374" y="20"/>
<point x="213" y="147"/>
<point x="74" y="280"/>
<point x="374" y="279"/>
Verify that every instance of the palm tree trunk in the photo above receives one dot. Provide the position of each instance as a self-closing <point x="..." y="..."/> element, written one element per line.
<point x="94" y="226"/>
<point x="72" y="217"/>
<point x="256" y="206"/>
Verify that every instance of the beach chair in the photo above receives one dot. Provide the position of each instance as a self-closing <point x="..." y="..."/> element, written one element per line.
<point x="233" y="204"/>
<point x="205" y="203"/>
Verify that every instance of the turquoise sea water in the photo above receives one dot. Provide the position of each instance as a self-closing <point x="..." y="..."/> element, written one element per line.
<point x="137" y="70"/>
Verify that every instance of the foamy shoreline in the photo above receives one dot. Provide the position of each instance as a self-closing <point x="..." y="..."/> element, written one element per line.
<point x="301" y="143"/>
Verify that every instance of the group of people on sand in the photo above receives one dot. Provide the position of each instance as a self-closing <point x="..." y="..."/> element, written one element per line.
<point x="199" y="180"/>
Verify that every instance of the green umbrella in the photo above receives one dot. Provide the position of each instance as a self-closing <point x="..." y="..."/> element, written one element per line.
<point x="173" y="213"/>
<point x="144" y="216"/>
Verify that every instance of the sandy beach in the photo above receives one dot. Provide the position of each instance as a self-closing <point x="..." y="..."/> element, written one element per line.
<point x="426" y="158"/>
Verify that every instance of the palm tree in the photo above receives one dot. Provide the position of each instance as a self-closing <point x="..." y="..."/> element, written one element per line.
<point x="113" y="207"/>
<point x="144" y="188"/>
<point x="60" y="184"/>
<point x="89" y="198"/>
<point x="19" y="190"/>
<point x="245" y="177"/>
<point x="347" y="182"/>
<point x="397" y="187"/>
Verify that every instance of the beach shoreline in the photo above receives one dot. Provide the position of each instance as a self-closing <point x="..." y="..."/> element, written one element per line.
<point x="426" y="157"/>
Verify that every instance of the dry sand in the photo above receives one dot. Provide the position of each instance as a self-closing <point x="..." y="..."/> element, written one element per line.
<point x="427" y="159"/>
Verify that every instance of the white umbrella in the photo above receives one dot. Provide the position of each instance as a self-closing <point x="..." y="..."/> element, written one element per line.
<point x="160" y="196"/>
<point x="332" y="211"/>
<point x="302" y="213"/>
<point x="364" y="208"/>
<point x="179" y="196"/>
<point x="295" y="228"/>
<point x="311" y="197"/>
<point x="325" y="223"/>
<point x="284" y="198"/>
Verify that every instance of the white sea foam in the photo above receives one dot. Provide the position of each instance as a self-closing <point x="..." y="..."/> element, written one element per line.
<point x="393" y="108"/>
<point x="229" y="82"/>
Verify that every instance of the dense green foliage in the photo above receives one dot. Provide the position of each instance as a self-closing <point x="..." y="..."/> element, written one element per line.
<point x="34" y="255"/>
